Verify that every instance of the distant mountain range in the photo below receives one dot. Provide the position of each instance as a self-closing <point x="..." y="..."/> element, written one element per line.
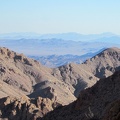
<point x="56" y="46"/>
<point x="54" y="50"/>
<point x="53" y="61"/>
<point x="65" y="36"/>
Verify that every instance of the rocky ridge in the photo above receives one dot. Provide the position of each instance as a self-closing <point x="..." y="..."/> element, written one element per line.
<point x="81" y="76"/>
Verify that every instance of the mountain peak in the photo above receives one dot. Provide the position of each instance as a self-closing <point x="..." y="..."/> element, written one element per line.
<point x="112" y="49"/>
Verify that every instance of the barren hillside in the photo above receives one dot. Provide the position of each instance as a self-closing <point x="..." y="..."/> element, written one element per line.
<point x="30" y="78"/>
<point x="84" y="75"/>
<point x="28" y="90"/>
<point x="100" y="102"/>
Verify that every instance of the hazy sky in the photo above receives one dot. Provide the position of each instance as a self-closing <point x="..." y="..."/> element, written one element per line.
<point x="58" y="16"/>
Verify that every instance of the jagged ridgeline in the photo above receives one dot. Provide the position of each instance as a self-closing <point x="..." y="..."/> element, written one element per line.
<point x="29" y="90"/>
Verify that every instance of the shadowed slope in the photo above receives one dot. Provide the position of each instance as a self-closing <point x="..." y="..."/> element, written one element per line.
<point x="94" y="103"/>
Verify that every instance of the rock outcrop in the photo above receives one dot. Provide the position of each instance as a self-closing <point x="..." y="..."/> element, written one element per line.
<point x="25" y="109"/>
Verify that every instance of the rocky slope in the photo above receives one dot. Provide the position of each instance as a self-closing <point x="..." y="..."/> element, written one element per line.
<point x="104" y="64"/>
<point x="22" y="77"/>
<point x="81" y="76"/>
<point x="33" y="79"/>
<point x="27" y="89"/>
<point x="75" y="77"/>
<point x="29" y="77"/>
<point x="100" y="102"/>
<point x="25" y="109"/>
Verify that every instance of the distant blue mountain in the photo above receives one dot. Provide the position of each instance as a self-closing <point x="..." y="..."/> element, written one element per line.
<point x="112" y="39"/>
<point x="58" y="49"/>
<point x="53" y="61"/>
<point x="65" y="36"/>
<point x="54" y="46"/>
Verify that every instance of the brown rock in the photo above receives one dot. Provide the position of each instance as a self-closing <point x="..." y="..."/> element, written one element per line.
<point x="29" y="77"/>
<point x="100" y="102"/>
<point x="25" y="109"/>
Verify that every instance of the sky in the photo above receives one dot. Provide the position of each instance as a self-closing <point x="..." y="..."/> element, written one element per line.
<point x="60" y="16"/>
